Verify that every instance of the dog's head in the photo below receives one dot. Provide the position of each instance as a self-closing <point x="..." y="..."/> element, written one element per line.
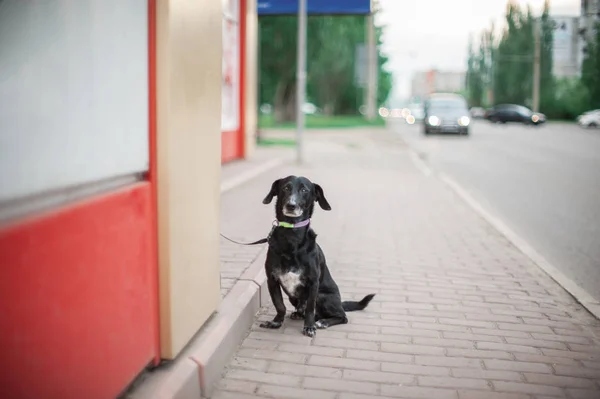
<point x="296" y="197"/>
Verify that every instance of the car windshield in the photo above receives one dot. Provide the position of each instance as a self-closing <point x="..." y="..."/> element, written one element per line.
<point x="450" y="105"/>
<point x="524" y="110"/>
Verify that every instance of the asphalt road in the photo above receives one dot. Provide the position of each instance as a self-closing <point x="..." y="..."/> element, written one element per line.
<point x="544" y="183"/>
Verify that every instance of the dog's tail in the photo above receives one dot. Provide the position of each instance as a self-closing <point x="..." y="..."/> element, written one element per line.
<point x="350" y="306"/>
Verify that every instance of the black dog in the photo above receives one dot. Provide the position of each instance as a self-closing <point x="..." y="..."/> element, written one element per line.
<point x="296" y="263"/>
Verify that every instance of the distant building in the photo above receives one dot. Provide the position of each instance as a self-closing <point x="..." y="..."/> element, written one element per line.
<point x="590" y="15"/>
<point x="567" y="48"/>
<point x="432" y="81"/>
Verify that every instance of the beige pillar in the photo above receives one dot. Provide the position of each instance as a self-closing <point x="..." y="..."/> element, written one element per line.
<point x="251" y="107"/>
<point x="188" y="62"/>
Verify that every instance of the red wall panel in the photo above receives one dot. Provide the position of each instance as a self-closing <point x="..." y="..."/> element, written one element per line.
<point x="233" y="142"/>
<point x="77" y="300"/>
<point x="231" y="147"/>
<point x="153" y="170"/>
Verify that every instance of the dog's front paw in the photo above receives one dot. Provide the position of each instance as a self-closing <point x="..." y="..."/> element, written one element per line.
<point x="273" y="325"/>
<point x="297" y="316"/>
<point x="309" y="331"/>
<point x="321" y="324"/>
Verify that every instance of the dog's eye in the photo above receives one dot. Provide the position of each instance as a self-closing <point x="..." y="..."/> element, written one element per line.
<point x="304" y="190"/>
<point x="286" y="188"/>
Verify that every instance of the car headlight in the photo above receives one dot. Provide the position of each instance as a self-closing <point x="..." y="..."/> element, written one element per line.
<point x="433" y="120"/>
<point x="535" y="118"/>
<point x="464" y="121"/>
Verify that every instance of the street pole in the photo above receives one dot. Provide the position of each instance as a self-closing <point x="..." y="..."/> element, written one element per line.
<point x="536" y="65"/>
<point x="371" y="92"/>
<point x="258" y="65"/>
<point x="300" y="78"/>
<point x="491" y="77"/>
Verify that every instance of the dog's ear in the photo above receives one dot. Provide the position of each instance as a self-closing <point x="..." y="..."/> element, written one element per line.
<point x="273" y="192"/>
<point x="320" y="198"/>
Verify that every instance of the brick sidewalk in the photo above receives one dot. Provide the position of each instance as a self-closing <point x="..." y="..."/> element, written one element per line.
<point x="459" y="313"/>
<point x="238" y="223"/>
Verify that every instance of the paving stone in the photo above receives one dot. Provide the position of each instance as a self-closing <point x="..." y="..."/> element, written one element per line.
<point x="459" y="312"/>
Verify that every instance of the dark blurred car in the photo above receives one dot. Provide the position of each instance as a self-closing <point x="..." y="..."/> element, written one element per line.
<point x="446" y="113"/>
<point x="514" y="113"/>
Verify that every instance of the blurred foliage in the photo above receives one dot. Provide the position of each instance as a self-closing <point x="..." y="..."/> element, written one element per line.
<point x="590" y="71"/>
<point x="331" y="47"/>
<point x="504" y="67"/>
<point x="573" y="97"/>
<point x="321" y="122"/>
<point x="474" y="80"/>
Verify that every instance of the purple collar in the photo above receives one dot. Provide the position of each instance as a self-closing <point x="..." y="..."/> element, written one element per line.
<point x="292" y="225"/>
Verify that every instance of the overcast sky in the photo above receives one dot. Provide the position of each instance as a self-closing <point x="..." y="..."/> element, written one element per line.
<point x="434" y="33"/>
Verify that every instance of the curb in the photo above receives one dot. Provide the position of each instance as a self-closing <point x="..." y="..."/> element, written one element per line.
<point x="197" y="370"/>
<point x="221" y="337"/>
<point x="249" y="175"/>
<point x="579" y="294"/>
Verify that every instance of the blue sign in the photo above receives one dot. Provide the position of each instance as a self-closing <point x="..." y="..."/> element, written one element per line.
<point x="315" y="7"/>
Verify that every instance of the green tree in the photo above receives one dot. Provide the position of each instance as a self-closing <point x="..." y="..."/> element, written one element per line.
<point x="331" y="47"/>
<point x="487" y="53"/>
<point x="278" y="63"/>
<point x="479" y="81"/>
<point x="384" y="78"/>
<point x="474" y="77"/>
<point x="513" y="58"/>
<point x="331" y="67"/>
<point x="571" y="98"/>
<point x="548" y="103"/>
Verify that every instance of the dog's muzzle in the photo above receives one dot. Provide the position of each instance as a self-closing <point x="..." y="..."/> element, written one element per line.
<point x="291" y="209"/>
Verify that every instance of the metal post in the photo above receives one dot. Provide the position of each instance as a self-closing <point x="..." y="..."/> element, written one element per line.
<point x="536" y="64"/>
<point x="371" y="49"/>
<point x="258" y="66"/>
<point x="492" y="72"/>
<point x="300" y="78"/>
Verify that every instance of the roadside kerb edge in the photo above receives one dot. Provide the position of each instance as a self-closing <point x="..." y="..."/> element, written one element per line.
<point x="578" y="293"/>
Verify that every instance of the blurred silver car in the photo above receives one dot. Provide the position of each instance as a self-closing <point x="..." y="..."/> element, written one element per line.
<point x="477" y="113"/>
<point x="589" y="119"/>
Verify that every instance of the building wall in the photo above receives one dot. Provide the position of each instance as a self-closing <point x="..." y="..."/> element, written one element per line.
<point x="188" y="69"/>
<point x="419" y="86"/>
<point x="78" y="279"/>
<point x="72" y="92"/>
<point x="111" y="260"/>
<point x="234" y="76"/>
<point x="567" y="50"/>
<point x="590" y="14"/>
<point x="430" y="81"/>
<point x="448" y="81"/>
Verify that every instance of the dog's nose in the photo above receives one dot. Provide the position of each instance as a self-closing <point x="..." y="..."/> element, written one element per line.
<point x="290" y="207"/>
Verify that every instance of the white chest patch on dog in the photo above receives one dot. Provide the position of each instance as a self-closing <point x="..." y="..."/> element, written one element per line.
<point x="290" y="281"/>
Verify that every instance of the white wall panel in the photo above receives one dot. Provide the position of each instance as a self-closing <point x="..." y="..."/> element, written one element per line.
<point x="73" y="93"/>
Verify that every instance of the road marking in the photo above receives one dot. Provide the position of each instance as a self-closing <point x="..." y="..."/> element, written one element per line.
<point x="249" y="175"/>
<point x="580" y="295"/>
<point x="419" y="164"/>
